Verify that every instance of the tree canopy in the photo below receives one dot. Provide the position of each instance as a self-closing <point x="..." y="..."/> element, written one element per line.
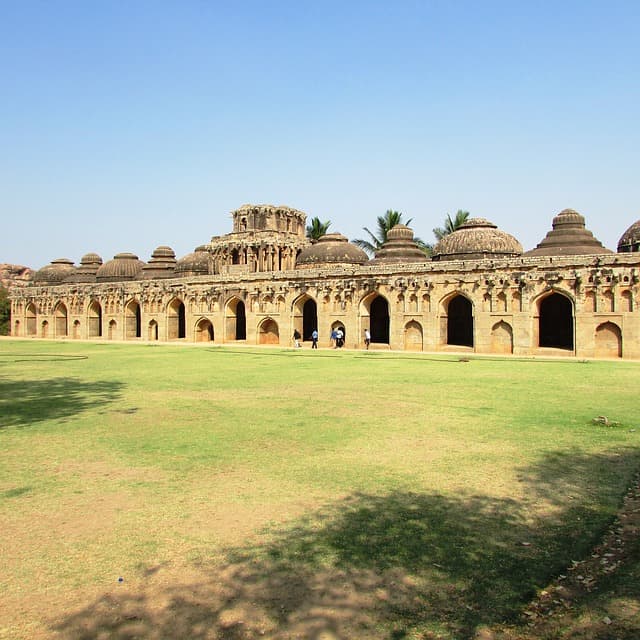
<point x="5" y="311"/>
<point x="317" y="228"/>
<point x="451" y="224"/>
<point x="384" y="224"/>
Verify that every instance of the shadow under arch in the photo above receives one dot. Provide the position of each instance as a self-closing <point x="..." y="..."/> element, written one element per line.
<point x="456" y="320"/>
<point x="268" y="332"/>
<point x="176" y="320"/>
<point x="204" y="330"/>
<point x="305" y="315"/>
<point x="374" y="315"/>
<point x="235" y="319"/>
<point x="554" y="320"/>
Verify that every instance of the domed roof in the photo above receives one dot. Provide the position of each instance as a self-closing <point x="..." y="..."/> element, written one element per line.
<point x="568" y="237"/>
<point x="124" y="266"/>
<point x="399" y="247"/>
<point x="54" y="273"/>
<point x="86" y="272"/>
<point x="331" y="249"/>
<point x="193" y="264"/>
<point x="630" y="240"/>
<point x="161" y="264"/>
<point x="477" y="238"/>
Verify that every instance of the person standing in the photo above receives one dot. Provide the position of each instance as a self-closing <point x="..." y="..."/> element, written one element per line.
<point x="314" y="339"/>
<point x="334" y="338"/>
<point x="296" y="338"/>
<point x="367" y="338"/>
<point x="339" y="337"/>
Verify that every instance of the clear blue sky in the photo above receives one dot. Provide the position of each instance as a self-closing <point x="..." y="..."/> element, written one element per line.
<point x="128" y="125"/>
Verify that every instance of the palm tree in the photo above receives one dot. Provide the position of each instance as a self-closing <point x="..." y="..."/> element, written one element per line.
<point x="451" y="225"/>
<point x="385" y="223"/>
<point x="317" y="228"/>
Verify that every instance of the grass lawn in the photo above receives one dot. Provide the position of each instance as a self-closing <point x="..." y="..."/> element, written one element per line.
<point x="161" y="491"/>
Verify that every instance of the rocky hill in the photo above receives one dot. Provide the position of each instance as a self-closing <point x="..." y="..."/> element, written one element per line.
<point x="14" y="275"/>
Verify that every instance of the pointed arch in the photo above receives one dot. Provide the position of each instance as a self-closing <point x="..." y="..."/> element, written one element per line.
<point x="305" y="315"/>
<point x="268" y="332"/>
<point x="501" y="337"/>
<point x="133" y="320"/>
<point x="204" y="330"/>
<point x="94" y="320"/>
<point x="413" y="338"/>
<point x="235" y="319"/>
<point x="457" y="326"/>
<point x="176" y="324"/>
<point x="555" y="321"/>
<point x="152" y="330"/>
<point x="608" y="341"/>
<point x="61" y="326"/>
<point x="30" y="313"/>
<point x="374" y="308"/>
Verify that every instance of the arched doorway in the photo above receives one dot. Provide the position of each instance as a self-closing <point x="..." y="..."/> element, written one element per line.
<point x="501" y="337"/>
<point x="379" y="320"/>
<point x="413" y="336"/>
<point x="133" y="321"/>
<point x="268" y="332"/>
<point x="111" y="330"/>
<point x="152" y="333"/>
<point x="309" y="318"/>
<point x="44" y="329"/>
<point x="32" y="327"/>
<point x="75" y="330"/>
<point x="235" y="320"/>
<point x="16" y="328"/>
<point x="176" y="327"/>
<point x="61" y="324"/>
<point x="204" y="331"/>
<point x="460" y="322"/>
<point x="95" y="320"/>
<point x="608" y="341"/>
<point x="555" y="324"/>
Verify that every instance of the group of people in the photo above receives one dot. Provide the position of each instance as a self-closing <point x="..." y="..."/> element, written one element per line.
<point x="337" y="338"/>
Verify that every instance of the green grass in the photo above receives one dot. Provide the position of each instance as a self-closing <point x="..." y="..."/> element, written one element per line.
<point x="291" y="493"/>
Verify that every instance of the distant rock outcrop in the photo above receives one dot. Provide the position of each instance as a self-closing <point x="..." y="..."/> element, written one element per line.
<point x="14" y="275"/>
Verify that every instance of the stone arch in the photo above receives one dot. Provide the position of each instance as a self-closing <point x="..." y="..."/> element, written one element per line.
<point x="111" y="329"/>
<point x="375" y="307"/>
<point x="16" y="328"/>
<point x="413" y="338"/>
<point x="44" y="329"/>
<point x="268" y="332"/>
<point x="502" y="301"/>
<point x="607" y="298"/>
<point x="176" y="323"/>
<point x="204" y="330"/>
<point x="75" y="330"/>
<point x="94" y="320"/>
<point x="338" y="324"/>
<point x="627" y="304"/>
<point x="589" y="305"/>
<point x="305" y="315"/>
<point x="61" y="326"/>
<point x="501" y="337"/>
<point x="152" y="330"/>
<point x="132" y="320"/>
<point x="555" y="321"/>
<point x="608" y="341"/>
<point x="30" y="313"/>
<point x="235" y="320"/>
<point x="457" y="321"/>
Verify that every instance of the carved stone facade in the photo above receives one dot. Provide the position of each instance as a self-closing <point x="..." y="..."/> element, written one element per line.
<point x="481" y="294"/>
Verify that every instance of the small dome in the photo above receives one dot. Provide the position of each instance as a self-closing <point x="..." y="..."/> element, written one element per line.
<point x="400" y="246"/>
<point x="124" y="266"/>
<point x="331" y="249"/>
<point x="568" y="237"/>
<point x="87" y="270"/>
<point x="54" y="273"/>
<point x="193" y="264"/>
<point x="161" y="264"/>
<point x="630" y="240"/>
<point x="477" y="238"/>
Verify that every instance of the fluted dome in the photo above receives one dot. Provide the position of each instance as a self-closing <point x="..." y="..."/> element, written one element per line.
<point x="86" y="271"/>
<point x="477" y="238"/>
<point x="193" y="264"/>
<point x="399" y="246"/>
<point x="55" y="273"/>
<point x="161" y="264"/>
<point x="568" y="237"/>
<point x="124" y="266"/>
<point x="331" y="249"/>
<point x="630" y="240"/>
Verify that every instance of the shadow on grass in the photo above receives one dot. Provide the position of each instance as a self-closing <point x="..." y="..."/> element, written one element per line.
<point x="27" y="402"/>
<point x="401" y="565"/>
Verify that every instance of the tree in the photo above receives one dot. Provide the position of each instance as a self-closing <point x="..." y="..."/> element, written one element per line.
<point x="317" y="228"/>
<point x="385" y="223"/>
<point x="450" y="225"/>
<point x="5" y="311"/>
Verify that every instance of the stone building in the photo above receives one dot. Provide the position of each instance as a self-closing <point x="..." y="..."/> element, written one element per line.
<point x="479" y="293"/>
